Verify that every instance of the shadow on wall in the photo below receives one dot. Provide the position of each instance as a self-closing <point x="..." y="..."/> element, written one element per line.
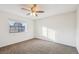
<point x="48" y="33"/>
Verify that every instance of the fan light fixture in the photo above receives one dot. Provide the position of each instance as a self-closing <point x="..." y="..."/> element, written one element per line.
<point x="33" y="10"/>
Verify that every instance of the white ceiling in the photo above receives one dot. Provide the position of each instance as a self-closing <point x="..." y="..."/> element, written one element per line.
<point x="50" y="9"/>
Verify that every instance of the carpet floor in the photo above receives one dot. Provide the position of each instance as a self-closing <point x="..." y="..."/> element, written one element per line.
<point x="38" y="46"/>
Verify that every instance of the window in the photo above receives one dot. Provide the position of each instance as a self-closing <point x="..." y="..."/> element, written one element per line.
<point x="15" y="27"/>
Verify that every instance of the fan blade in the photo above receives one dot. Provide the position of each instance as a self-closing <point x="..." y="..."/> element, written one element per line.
<point x="28" y="14"/>
<point x="39" y="11"/>
<point x="25" y="9"/>
<point x="36" y="15"/>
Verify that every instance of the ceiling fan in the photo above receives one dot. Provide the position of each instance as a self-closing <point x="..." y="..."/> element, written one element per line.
<point x="33" y="10"/>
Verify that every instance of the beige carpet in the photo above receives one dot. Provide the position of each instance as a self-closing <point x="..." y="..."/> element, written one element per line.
<point x="38" y="46"/>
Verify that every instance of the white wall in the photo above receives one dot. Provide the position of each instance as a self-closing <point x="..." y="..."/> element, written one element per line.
<point x="7" y="38"/>
<point x="77" y="31"/>
<point x="58" y="28"/>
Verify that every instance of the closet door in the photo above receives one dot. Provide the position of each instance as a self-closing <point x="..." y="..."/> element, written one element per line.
<point x="51" y="34"/>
